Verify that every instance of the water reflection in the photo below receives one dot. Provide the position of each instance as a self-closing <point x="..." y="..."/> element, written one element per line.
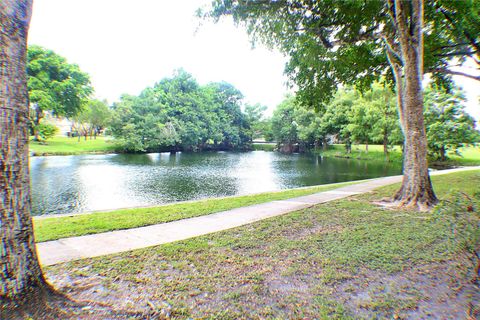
<point x="98" y="182"/>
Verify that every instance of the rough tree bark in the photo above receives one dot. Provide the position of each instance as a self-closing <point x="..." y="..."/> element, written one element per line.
<point x="406" y="60"/>
<point x="21" y="278"/>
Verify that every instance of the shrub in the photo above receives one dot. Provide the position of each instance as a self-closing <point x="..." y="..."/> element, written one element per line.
<point x="46" y="130"/>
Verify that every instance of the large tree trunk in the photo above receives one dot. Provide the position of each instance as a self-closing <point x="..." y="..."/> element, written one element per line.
<point x="416" y="190"/>
<point x="21" y="277"/>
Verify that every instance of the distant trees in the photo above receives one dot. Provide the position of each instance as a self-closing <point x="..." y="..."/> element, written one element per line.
<point x="54" y="85"/>
<point x="179" y="114"/>
<point x="349" y="117"/>
<point x="375" y="118"/>
<point x="284" y="126"/>
<point x="255" y="117"/>
<point x="372" y="117"/>
<point x="449" y="127"/>
<point x="91" y="119"/>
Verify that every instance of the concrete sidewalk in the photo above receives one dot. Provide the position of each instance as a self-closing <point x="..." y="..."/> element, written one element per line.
<point x="75" y="248"/>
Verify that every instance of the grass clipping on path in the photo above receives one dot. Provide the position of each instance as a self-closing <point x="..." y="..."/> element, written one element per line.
<point x="340" y="260"/>
<point x="53" y="228"/>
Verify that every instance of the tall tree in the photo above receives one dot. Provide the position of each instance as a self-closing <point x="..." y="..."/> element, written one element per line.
<point x="382" y="106"/>
<point x="335" y="119"/>
<point x="449" y="127"/>
<point x="95" y="116"/>
<point x="331" y="42"/>
<point x="284" y="126"/>
<point x="55" y="85"/>
<point x="21" y="277"/>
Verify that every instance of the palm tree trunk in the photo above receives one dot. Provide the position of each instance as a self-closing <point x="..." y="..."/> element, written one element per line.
<point x="21" y="276"/>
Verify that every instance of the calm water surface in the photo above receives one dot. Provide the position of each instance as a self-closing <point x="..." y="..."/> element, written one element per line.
<point x="70" y="184"/>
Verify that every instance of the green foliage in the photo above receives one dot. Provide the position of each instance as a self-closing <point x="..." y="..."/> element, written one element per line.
<point x="284" y="126"/>
<point x="92" y="119"/>
<point x="349" y="116"/>
<point x="332" y="42"/>
<point x="255" y="116"/>
<point x="46" y="130"/>
<point x="98" y="114"/>
<point x="371" y="117"/>
<point x="179" y="114"/>
<point x="54" y="84"/>
<point x="449" y="127"/>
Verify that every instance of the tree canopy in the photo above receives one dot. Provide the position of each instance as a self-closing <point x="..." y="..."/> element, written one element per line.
<point x="372" y="117"/>
<point x="179" y="114"/>
<point x="349" y="117"/>
<point x="332" y="42"/>
<point x="449" y="127"/>
<point x="54" y="84"/>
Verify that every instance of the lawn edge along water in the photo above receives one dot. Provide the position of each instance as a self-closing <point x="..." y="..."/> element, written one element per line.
<point x="64" y="146"/>
<point x="469" y="156"/>
<point x="55" y="227"/>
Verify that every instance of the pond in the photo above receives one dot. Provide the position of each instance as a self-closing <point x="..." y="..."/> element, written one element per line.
<point x="72" y="184"/>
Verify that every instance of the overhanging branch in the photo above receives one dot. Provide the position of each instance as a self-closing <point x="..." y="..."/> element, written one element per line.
<point x="455" y="73"/>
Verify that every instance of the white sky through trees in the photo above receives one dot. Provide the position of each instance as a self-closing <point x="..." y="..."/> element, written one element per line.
<point x="128" y="45"/>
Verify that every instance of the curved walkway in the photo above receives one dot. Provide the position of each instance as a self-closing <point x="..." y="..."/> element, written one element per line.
<point x="75" y="248"/>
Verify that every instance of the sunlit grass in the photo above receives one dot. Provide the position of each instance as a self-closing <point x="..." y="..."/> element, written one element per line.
<point x="51" y="228"/>
<point x="70" y="146"/>
<point x="468" y="156"/>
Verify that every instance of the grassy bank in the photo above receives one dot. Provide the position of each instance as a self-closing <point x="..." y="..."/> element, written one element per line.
<point x="264" y="146"/>
<point x="469" y="156"/>
<point x="71" y="146"/>
<point x="375" y="152"/>
<point x="346" y="259"/>
<point x="76" y="225"/>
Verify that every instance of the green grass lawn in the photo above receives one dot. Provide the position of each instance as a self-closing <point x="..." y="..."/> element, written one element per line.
<point x="71" y="146"/>
<point x="76" y="225"/>
<point x="375" y="152"/>
<point x="468" y="156"/>
<point x="264" y="146"/>
<point x="347" y="259"/>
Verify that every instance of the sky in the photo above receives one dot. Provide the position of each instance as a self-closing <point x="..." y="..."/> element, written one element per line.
<point x="126" y="46"/>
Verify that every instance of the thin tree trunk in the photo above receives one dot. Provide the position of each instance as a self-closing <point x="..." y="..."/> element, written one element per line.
<point x="38" y="117"/>
<point x="385" y="142"/>
<point x="385" y="147"/>
<point x="416" y="190"/>
<point x="21" y="277"/>
<point x="443" y="156"/>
